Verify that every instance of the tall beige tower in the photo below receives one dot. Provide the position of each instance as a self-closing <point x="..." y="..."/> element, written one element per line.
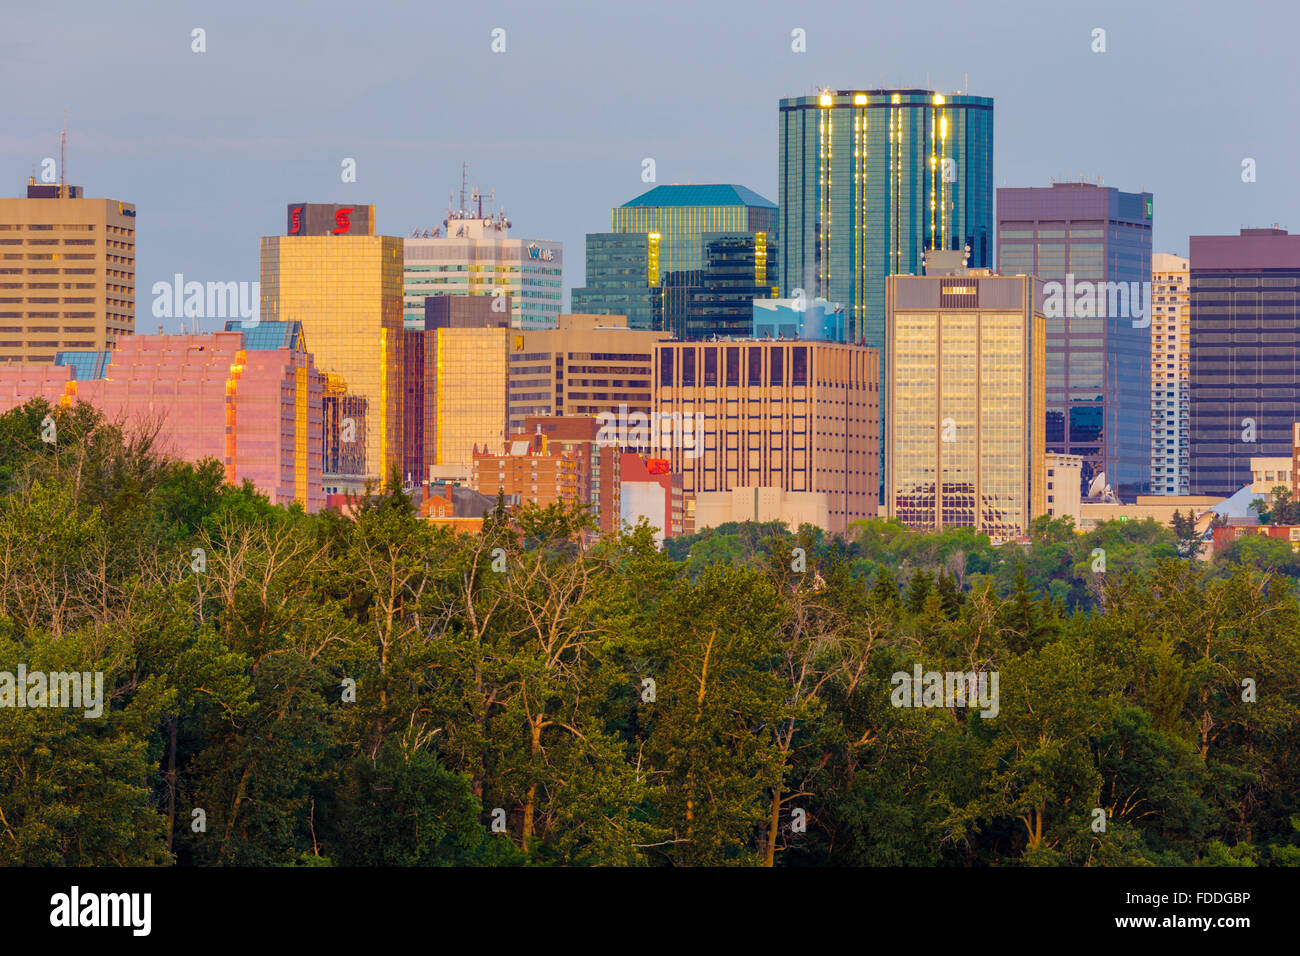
<point x="965" y="401"/>
<point x="1170" y="328"/>
<point x="67" y="273"/>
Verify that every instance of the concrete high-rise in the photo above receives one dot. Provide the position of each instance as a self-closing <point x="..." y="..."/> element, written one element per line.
<point x="1243" y="388"/>
<point x="1091" y="247"/>
<point x="964" y="400"/>
<point x="343" y="283"/>
<point x="1170" y="334"/>
<point x="472" y="253"/>
<point x="869" y="180"/>
<point x="586" y="365"/>
<point x="67" y="273"/>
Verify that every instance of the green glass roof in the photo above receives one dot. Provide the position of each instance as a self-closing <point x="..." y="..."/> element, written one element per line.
<point x="709" y="195"/>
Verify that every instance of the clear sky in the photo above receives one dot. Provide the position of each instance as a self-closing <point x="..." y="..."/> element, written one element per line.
<point x="212" y="146"/>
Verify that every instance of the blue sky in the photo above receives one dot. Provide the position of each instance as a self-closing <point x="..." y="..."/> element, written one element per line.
<point x="212" y="146"/>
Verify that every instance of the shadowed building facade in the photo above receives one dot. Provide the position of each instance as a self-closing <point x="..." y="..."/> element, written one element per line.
<point x="1244" y="387"/>
<point x="684" y="259"/>
<point x="1094" y="243"/>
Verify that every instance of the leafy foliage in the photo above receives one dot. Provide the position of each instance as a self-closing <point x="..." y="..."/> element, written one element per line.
<point x="372" y="690"/>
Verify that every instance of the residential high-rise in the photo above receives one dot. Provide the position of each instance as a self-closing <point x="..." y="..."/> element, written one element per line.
<point x="869" y="180"/>
<point x="1243" y="389"/>
<point x="67" y="273"/>
<point x="586" y="365"/>
<point x="964" y="401"/>
<point x="1170" y="331"/>
<point x="472" y="253"/>
<point x="598" y="461"/>
<point x="344" y="284"/>
<point x="526" y="466"/>
<point x="684" y="259"/>
<point x="801" y="416"/>
<point x="1091" y="247"/>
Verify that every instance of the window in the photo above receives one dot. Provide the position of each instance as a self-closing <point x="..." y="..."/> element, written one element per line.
<point x="799" y="365"/>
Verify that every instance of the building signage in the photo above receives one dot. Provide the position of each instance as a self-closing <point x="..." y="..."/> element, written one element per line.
<point x="328" y="219"/>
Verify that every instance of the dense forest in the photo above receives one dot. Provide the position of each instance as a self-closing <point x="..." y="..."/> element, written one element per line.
<point x="321" y="690"/>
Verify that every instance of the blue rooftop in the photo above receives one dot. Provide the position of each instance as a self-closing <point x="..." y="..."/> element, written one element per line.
<point x="85" y="365"/>
<point x="269" y="336"/>
<point x="714" y="195"/>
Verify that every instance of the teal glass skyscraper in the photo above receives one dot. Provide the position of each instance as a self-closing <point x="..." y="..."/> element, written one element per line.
<point x="871" y="179"/>
<point x="688" y="260"/>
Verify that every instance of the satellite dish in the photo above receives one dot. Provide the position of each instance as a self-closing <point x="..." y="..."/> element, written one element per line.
<point x="1098" y="485"/>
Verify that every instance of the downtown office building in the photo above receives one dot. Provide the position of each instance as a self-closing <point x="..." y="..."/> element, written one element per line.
<point x="964" y="402"/>
<point x="688" y="260"/>
<point x="1243" y="386"/>
<point x="1091" y="246"/>
<point x="869" y="180"/>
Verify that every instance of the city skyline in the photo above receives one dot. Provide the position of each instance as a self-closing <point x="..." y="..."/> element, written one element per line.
<point x="210" y="161"/>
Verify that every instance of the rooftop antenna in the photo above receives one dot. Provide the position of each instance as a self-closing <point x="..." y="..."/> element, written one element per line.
<point x="965" y="83"/>
<point x="464" y="182"/>
<point x="63" y="154"/>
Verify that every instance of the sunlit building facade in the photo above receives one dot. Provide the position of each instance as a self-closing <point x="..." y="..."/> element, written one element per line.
<point x="466" y="375"/>
<point x="800" y="416"/>
<point x="67" y="272"/>
<point x="250" y="399"/>
<point x="477" y="257"/>
<point x="964" y="403"/>
<point x="588" y="365"/>
<point x="345" y="287"/>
